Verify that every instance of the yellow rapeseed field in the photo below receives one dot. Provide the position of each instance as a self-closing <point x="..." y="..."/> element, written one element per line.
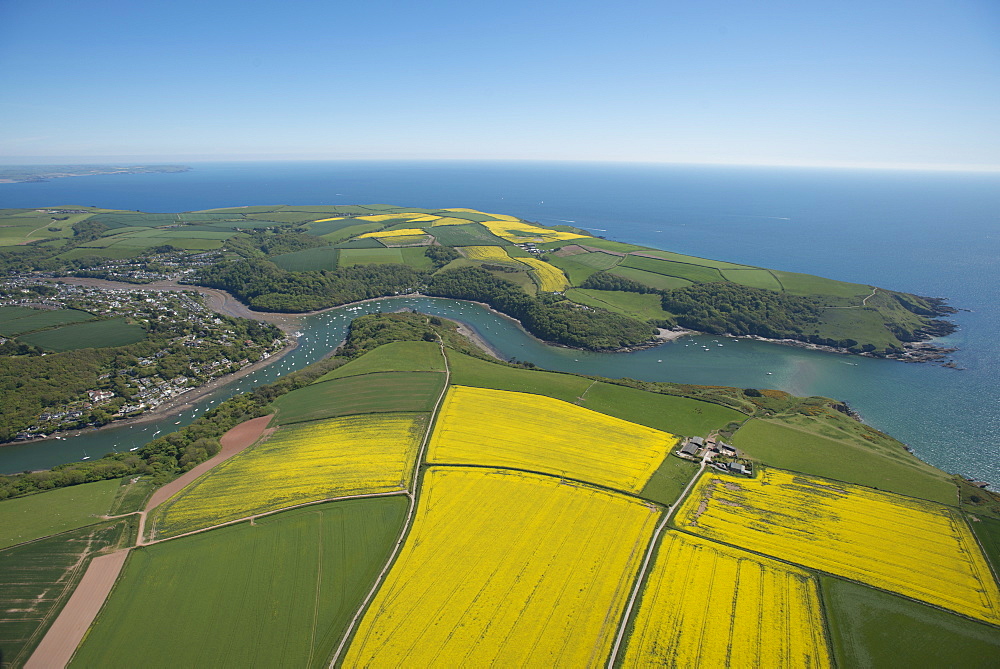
<point x="708" y="605"/>
<point x="486" y="253"/>
<point x="378" y="218"/>
<point x="508" y="429"/>
<point x="424" y="218"/>
<point x="549" y="277"/>
<point x="301" y="463"/>
<point x="450" y="220"/>
<point x="916" y="548"/>
<point x="335" y="218"/>
<point x="499" y="217"/>
<point x="507" y="569"/>
<point x="517" y="231"/>
<point x="406" y="232"/>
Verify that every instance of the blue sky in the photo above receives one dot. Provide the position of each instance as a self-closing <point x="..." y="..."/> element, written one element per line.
<point x="856" y="83"/>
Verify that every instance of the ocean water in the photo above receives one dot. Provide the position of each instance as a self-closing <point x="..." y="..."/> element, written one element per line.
<point x="934" y="234"/>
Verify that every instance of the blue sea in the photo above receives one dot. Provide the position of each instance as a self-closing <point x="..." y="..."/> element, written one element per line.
<point x="930" y="233"/>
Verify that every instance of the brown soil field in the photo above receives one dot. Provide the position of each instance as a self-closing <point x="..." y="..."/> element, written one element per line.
<point x="74" y="620"/>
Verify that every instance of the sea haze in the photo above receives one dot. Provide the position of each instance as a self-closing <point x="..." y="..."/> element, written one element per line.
<point x="930" y="233"/>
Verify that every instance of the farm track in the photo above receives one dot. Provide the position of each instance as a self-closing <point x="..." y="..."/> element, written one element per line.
<point x="407" y="524"/>
<point x="67" y="631"/>
<point x="647" y="560"/>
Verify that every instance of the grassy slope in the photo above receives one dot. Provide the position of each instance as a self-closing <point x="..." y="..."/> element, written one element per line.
<point x="379" y="392"/>
<point x="319" y="258"/>
<point x="37" y="579"/>
<point x="796" y="445"/>
<point x="402" y="356"/>
<point x="871" y="628"/>
<point x="987" y="531"/>
<point x="14" y="321"/>
<point x="27" y="518"/>
<point x="468" y="371"/>
<point x="287" y="586"/>
<point x="668" y="481"/>
<point x="644" y="307"/>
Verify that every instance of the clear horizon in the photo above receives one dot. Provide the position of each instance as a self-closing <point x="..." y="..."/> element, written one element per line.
<point x="890" y="85"/>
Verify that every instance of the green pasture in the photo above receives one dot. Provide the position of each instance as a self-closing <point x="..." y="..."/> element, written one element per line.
<point x="668" y="481"/>
<point x="323" y="228"/>
<point x="349" y="257"/>
<point x="319" y="258"/>
<point x="37" y="579"/>
<point x="577" y="272"/>
<point x="98" y="334"/>
<point x="110" y="252"/>
<point x="755" y="278"/>
<point x="638" y="305"/>
<point x="400" y="356"/>
<point x="987" y="531"/>
<point x="407" y="240"/>
<point x="871" y="628"/>
<point x="696" y="273"/>
<point x="415" y="257"/>
<point x="520" y="278"/>
<point x="670" y="413"/>
<point x="13" y="323"/>
<point x="844" y="458"/>
<point x="288" y="216"/>
<point x="378" y="392"/>
<point x="657" y="281"/>
<point x="694" y="260"/>
<point x="349" y="231"/>
<point x="596" y="260"/>
<point x="473" y="234"/>
<point x="598" y="243"/>
<point x="469" y="371"/>
<point x="277" y="593"/>
<point x="807" y="284"/>
<point x="366" y="243"/>
<point x="39" y="515"/>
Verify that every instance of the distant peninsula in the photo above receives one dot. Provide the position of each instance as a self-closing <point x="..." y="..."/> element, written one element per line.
<point x="34" y="173"/>
<point x="563" y="284"/>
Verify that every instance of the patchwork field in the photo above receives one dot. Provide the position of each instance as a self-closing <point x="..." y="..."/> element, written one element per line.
<point x="506" y="429"/>
<point x="707" y="605"/>
<point x="27" y="518"/>
<point x="319" y="258"/>
<point x="400" y="356"/>
<point x="378" y="392"/>
<point x="278" y="593"/>
<point x="506" y="569"/>
<point x="300" y="463"/>
<point x="37" y="579"/>
<point x="517" y="231"/>
<point x="465" y="234"/>
<point x="904" y="545"/>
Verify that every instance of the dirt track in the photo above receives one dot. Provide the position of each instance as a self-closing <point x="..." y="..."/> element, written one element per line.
<point x="60" y="642"/>
<point x="74" y="620"/>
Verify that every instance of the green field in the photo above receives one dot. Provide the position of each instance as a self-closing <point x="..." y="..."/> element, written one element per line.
<point x="844" y="458"/>
<point x="328" y="227"/>
<point x="400" y="356"/>
<point x="668" y="481"/>
<point x="871" y="628"/>
<point x="988" y="533"/>
<point x="755" y="278"/>
<point x="101" y="334"/>
<point x="319" y="258"/>
<point x="473" y="234"/>
<point x="657" y="281"/>
<point x="638" y="305"/>
<point x="378" y="392"/>
<point x="598" y="243"/>
<point x="677" y="415"/>
<point x="415" y="257"/>
<point x="349" y="257"/>
<point x="807" y="284"/>
<point x="278" y="593"/>
<point x="84" y="252"/>
<point x="576" y="271"/>
<point x="340" y="234"/>
<point x="18" y="320"/>
<point x="28" y="518"/>
<point x="37" y="579"/>
<point x="694" y="260"/>
<point x="469" y="371"/>
<point x="696" y="273"/>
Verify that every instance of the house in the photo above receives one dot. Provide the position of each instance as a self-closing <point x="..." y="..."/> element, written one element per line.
<point x="689" y="448"/>
<point x="725" y="449"/>
<point x="739" y="468"/>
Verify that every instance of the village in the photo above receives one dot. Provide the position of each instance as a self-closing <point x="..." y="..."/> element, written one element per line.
<point x="717" y="453"/>
<point x="186" y="346"/>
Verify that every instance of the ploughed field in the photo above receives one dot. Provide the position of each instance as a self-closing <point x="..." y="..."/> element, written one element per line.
<point x="526" y="518"/>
